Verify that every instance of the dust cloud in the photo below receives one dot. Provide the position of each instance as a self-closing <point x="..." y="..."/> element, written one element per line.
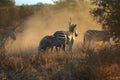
<point x="40" y="25"/>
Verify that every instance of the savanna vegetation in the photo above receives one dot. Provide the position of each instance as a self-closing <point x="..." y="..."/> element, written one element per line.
<point x="101" y="62"/>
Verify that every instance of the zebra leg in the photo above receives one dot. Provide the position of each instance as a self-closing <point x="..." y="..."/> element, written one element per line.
<point x="47" y="50"/>
<point x="52" y="49"/>
<point x="71" y="45"/>
<point x="57" y="49"/>
<point x="63" y="47"/>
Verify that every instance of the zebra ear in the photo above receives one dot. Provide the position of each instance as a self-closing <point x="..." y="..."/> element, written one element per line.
<point x="75" y="25"/>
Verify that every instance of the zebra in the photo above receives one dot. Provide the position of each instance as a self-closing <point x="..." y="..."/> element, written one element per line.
<point x="4" y="35"/>
<point x="66" y="37"/>
<point x="96" y="35"/>
<point x="46" y="43"/>
<point x="61" y="38"/>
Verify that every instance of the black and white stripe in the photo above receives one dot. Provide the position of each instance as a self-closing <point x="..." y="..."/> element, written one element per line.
<point x="66" y="37"/>
<point x="61" y="38"/>
<point x="4" y="35"/>
<point x="96" y="35"/>
<point x="46" y="43"/>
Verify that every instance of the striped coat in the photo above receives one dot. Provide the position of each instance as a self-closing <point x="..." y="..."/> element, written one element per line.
<point x="46" y="43"/>
<point x="4" y="35"/>
<point x="66" y="37"/>
<point x="96" y="35"/>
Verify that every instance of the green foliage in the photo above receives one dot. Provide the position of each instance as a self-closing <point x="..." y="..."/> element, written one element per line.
<point x="7" y="3"/>
<point x="14" y="11"/>
<point x="10" y="18"/>
<point x="3" y="16"/>
<point x="69" y="4"/>
<point x="26" y="11"/>
<point x="7" y="18"/>
<point x="107" y="13"/>
<point x="39" y="6"/>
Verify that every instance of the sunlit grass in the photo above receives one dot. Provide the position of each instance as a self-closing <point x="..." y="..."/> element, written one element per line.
<point x="83" y="64"/>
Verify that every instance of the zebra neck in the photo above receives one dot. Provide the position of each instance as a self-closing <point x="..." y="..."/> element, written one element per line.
<point x="69" y="33"/>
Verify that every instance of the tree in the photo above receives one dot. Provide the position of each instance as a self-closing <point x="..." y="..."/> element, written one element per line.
<point x="71" y="4"/>
<point x="26" y="11"/>
<point x="4" y="16"/>
<point x="107" y="13"/>
<point x="7" y="3"/>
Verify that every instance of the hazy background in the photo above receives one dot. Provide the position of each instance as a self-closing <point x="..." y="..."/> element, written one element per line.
<point x="39" y="25"/>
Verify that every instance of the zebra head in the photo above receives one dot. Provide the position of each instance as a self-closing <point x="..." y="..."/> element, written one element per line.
<point x="72" y="28"/>
<point x="47" y="42"/>
<point x="10" y="33"/>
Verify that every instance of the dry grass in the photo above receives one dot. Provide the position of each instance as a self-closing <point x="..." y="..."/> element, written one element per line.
<point x="86" y="63"/>
<point x="83" y="64"/>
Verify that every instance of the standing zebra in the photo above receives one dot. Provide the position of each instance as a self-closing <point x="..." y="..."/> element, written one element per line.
<point x="66" y="37"/>
<point x="46" y="43"/>
<point x="96" y="35"/>
<point x="4" y="35"/>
